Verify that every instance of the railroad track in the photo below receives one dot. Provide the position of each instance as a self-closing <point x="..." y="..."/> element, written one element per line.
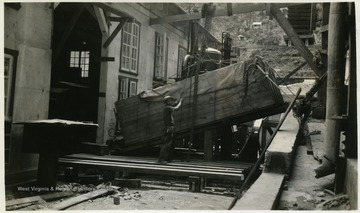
<point x="234" y="171"/>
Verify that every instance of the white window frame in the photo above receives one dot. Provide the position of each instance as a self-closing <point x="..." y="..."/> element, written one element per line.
<point x="161" y="56"/>
<point x="127" y="88"/>
<point x="80" y="58"/>
<point x="130" y="47"/>
<point x="123" y="89"/>
<point x="181" y="55"/>
<point x="132" y="88"/>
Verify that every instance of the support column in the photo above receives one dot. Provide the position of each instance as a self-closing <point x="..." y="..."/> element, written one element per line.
<point x="102" y="94"/>
<point x="335" y="88"/>
<point x="208" y="145"/>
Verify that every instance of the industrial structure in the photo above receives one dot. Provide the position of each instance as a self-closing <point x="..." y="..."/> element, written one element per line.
<point x="84" y="85"/>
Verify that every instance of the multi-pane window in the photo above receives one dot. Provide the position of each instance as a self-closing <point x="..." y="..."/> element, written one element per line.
<point x="123" y="88"/>
<point x="8" y="62"/>
<point x="80" y="59"/>
<point x="181" y="56"/>
<point x="127" y="88"/>
<point x="130" y="47"/>
<point x="132" y="88"/>
<point x="161" y="51"/>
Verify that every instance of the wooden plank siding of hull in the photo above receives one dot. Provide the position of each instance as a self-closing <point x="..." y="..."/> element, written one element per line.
<point x="225" y="94"/>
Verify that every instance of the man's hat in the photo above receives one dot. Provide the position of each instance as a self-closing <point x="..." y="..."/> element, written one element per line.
<point x="168" y="98"/>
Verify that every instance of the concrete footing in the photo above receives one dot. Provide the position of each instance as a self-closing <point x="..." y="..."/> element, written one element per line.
<point x="264" y="193"/>
<point x="351" y="182"/>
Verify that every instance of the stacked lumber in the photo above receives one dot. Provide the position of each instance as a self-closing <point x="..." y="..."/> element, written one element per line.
<point x="225" y="94"/>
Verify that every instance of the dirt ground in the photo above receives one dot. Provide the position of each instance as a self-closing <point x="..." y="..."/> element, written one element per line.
<point x="147" y="197"/>
<point x="159" y="200"/>
<point x="305" y="192"/>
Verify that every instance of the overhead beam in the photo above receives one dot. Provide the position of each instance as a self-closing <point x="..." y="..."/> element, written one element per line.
<point x="90" y="9"/>
<point x="295" y="39"/>
<point x="67" y="33"/>
<point x="111" y="9"/>
<point x="115" y="32"/>
<point x="236" y="9"/>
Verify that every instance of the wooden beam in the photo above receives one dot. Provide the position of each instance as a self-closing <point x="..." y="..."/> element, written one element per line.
<point x="102" y="20"/>
<point x="81" y="198"/>
<point x="257" y="163"/>
<point x="119" y="19"/>
<point x="292" y="73"/>
<point x="102" y="59"/>
<point x="295" y="39"/>
<point x="115" y="32"/>
<point x="91" y="10"/>
<point x="240" y="8"/>
<point x="21" y="201"/>
<point x="13" y="204"/>
<point x="111" y="9"/>
<point x="67" y="33"/>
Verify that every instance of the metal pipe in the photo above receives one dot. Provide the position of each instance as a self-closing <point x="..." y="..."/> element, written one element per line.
<point x="335" y="88"/>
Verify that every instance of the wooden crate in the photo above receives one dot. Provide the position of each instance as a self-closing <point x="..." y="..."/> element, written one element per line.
<point x="225" y="94"/>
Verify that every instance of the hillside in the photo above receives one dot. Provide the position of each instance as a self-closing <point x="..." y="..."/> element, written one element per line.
<point x="241" y="24"/>
<point x="266" y="41"/>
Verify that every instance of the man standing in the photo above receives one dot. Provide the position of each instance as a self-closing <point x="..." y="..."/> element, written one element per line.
<point x="168" y="145"/>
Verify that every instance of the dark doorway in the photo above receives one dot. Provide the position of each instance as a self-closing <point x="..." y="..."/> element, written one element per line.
<point x="75" y="65"/>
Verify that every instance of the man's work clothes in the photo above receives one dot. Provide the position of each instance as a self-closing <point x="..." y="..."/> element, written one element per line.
<point x="168" y="145"/>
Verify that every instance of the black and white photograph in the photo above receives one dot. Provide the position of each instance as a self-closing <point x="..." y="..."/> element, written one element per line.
<point x="223" y="105"/>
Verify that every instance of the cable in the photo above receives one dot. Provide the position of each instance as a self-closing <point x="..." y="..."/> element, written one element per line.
<point x="270" y="79"/>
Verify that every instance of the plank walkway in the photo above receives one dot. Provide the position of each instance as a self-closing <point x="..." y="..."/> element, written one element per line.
<point x="229" y="170"/>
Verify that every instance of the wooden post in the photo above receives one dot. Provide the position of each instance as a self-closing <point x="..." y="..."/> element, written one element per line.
<point x="335" y="88"/>
<point x="67" y="33"/>
<point x="208" y="145"/>
<point x="351" y="136"/>
<point x="47" y="170"/>
<point x="324" y="46"/>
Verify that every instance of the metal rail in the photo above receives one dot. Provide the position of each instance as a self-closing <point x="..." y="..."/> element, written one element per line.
<point x="159" y="169"/>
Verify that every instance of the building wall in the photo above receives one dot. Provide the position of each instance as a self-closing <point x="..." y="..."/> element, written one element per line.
<point x="28" y="31"/>
<point x="142" y="14"/>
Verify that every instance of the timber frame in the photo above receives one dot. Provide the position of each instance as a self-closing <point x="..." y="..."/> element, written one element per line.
<point x="273" y="10"/>
<point x="97" y="11"/>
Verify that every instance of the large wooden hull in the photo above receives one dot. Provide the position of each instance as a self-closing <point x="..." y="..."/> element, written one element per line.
<point x="227" y="94"/>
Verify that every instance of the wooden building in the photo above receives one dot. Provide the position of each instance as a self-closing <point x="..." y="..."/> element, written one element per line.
<point x="73" y="61"/>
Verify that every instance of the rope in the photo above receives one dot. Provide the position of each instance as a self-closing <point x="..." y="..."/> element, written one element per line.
<point x="282" y="81"/>
<point x="266" y="75"/>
